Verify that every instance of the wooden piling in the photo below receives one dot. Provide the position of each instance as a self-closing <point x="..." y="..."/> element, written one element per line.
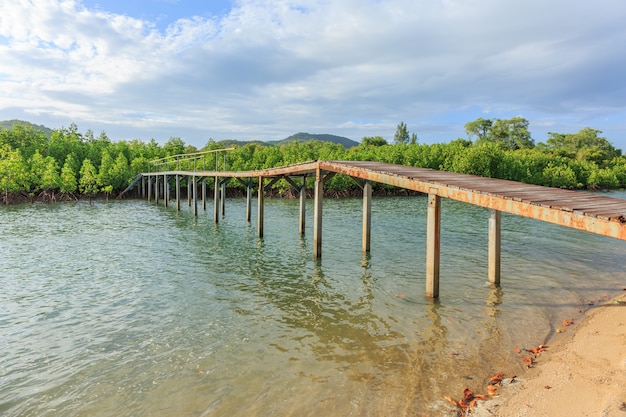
<point x="203" y="194"/>
<point x="433" y="232"/>
<point x="195" y="196"/>
<point x="261" y="208"/>
<point x="166" y="191"/>
<point x="216" y="201"/>
<point x="189" y="191"/>
<point x="223" y="200"/>
<point x="367" y="215"/>
<point x="495" y="220"/>
<point x="317" y="215"/>
<point x="177" y="192"/>
<point x="249" y="200"/>
<point x="302" y="206"/>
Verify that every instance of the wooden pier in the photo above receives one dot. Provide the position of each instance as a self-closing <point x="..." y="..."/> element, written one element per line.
<point x="593" y="213"/>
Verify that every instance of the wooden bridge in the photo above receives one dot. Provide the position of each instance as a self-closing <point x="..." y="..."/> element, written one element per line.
<point x="593" y="213"/>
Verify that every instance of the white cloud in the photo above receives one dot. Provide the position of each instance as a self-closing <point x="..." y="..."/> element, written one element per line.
<point x="270" y="68"/>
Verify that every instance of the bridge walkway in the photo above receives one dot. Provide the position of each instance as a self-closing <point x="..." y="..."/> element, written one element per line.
<point x="590" y="212"/>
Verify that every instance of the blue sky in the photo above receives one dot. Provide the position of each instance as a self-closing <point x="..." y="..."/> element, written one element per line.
<point x="265" y="69"/>
<point x="162" y="12"/>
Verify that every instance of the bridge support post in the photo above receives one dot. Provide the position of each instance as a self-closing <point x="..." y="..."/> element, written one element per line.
<point x="302" y="206"/>
<point x="433" y="232"/>
<point x="367" y="215"/>
<point x="249" y="200"/>
<point x="195" y="196"/>
<point x="143" y="187"/>
<point x="317" y="215"/>
<point x="216" y="201"/>
<point x="203" y="194"/>
<point x="177" y="192"/>
<point x="260" y="208"/>
<point x="149" y="189"/>
<point x="188" y="190"/>
<point x="223" y="200"/>
<point x="156" y="189"/>
<point x="166" y="191"/>
<point x="495" y="220"/>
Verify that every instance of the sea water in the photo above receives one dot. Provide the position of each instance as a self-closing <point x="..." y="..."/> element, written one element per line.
<point x="128" y="308"/>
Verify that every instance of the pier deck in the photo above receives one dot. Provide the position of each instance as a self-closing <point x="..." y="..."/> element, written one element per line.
<point x="590" y="212"/>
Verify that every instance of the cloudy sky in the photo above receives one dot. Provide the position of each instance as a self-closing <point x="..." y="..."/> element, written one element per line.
<point x="265" y="69"/>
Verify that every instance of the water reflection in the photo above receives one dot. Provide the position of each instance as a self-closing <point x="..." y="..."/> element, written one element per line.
<point x="163" y="313"/>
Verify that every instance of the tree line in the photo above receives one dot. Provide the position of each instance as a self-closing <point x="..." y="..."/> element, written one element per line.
<point x="72" y="164"/>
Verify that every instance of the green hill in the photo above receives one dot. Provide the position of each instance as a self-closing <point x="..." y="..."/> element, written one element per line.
<point x="297" y="137"/>
<point x="300" y="137"/>
<point x="8" y="124"/>
<point x="322" y="137"/>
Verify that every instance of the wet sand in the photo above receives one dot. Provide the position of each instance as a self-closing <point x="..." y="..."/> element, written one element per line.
<point x="583" y="373"/>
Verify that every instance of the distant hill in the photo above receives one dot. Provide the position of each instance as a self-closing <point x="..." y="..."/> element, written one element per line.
<point x="322" y="137"/>
<point x="298" y="137"/>
<point x="8" y="124"/>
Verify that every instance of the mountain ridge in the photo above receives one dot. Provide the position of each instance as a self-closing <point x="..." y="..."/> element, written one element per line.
<point x="300" y="137"/>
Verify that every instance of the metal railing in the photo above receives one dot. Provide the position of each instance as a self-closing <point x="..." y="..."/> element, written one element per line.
<point x="189" y="161"/>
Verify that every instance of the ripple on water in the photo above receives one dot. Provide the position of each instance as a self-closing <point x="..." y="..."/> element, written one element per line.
<point x="130" y="309"/>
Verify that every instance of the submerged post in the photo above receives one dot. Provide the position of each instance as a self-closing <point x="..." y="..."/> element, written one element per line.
<point x="166" y="190"/>
<point x="188" y="191"/>
<point x="260" y="208"/>
<point x="195" y="197"/>
<point x="177" y="192"/>
<point x="223" y="201"/>
<point x="367" y="215"/>
<point x="433" y="232"/>
<point x="495" y="220"/>
<point x="249" y="200"/>
<point x="317" y="214"/>
<point x="216" y="201"/>
<point x="302" y="205"/>
<point x="203" y="194"/>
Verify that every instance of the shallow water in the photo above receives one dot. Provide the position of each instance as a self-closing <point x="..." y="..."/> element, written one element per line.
<point x="130" y="309"/>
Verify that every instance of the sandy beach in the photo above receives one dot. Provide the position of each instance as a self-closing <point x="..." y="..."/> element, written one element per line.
<point x="582" y="374"/>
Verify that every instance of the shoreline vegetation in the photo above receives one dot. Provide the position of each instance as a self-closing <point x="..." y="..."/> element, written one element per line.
<point x="69" y="164"/>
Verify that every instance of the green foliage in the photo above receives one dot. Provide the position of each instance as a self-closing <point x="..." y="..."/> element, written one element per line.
<point x="484" y="159"/>
<point x="402" y="134"/>
<point x="585" y="145"/>
<point x="68" y="184"/>
<point x="174" y="146"/>
<point x="510" y="134"/>
<point x="29" y="163"/>
<point x="24" y="137"/>
<point x="603" y="178"/>
<point x="88" y="182"/>
<point x="560" y="176"/>
<point x="44" y="173"/>
<point x="373" y="141"/>
<point x="14" y="176"/>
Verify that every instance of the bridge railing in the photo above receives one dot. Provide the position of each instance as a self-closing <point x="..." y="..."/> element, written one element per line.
<point x="194" y="161"/>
